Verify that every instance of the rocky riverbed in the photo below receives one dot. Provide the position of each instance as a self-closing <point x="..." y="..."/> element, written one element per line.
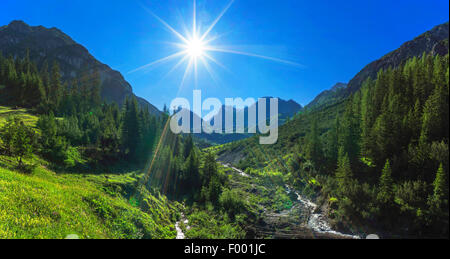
<point x="302" y="221"/>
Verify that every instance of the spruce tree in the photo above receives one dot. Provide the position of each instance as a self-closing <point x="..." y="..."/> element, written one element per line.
<point x="439" y="200"/>
<point x="344" y="172"/>
<point x="314" y="147"/>
<point x="385" y="194"/>
<point x="55" y="87"/>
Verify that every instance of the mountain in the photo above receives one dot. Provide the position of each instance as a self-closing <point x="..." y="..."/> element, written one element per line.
<point x="286" y="110"/>
<point x="434" y="41"/>
<point x="51" y="44"/>
<point x="328" y="97"/>
<point x="388" y="129"/>
<point x="331" y="102"/>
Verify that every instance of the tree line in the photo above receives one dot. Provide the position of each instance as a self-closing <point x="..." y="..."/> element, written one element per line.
<point x="75" y="125"/>
<point x="384" y="161"/>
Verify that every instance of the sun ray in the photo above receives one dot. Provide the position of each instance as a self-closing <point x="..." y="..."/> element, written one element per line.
<point x="175" y="67"/>
<point x="207" y="41"/>
<point x="216" y="20"/>
<point x="176" y="33"/>
<point x="194" y="22"/>
<point x="216" y="62"/>
<point x="195" y="47"/>
<point x="159" y="61"/>
<point x="215" y="49"/>
<point x="186" y="72"/>
<point x="209" y="70"/>
<point x="195" y="74"/>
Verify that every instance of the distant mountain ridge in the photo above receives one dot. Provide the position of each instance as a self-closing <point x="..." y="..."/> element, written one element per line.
<point x="52" y="44"/>
<point x="286" y="110"/>
<point x="434" y="41"/>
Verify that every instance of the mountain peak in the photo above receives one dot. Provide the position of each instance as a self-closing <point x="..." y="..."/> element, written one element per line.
<point x="19" y="25"/>
<point x="52" y="44"/>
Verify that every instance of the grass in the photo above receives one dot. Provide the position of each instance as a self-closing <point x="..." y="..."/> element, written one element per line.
<point x="23" y="114"/>
<point x="46" y="205"/>
<point x="50" y="205"/>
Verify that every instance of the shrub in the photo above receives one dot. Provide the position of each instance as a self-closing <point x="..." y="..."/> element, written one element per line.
<point x="232" y="202"/>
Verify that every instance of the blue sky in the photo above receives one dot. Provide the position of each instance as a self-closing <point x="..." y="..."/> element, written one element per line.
<point x="332" y="40"/>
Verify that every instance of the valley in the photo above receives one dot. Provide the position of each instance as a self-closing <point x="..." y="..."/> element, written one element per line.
<point x="81" y="155"/>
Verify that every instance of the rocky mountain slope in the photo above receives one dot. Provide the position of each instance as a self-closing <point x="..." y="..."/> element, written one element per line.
<point x="331" y="102"/>
<point x="434" y="41"/>
<point x="51" y="44"/>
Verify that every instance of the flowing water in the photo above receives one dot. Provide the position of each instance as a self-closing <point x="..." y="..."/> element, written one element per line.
<point x="180" y="234"/>
<point x="318" y="221"/>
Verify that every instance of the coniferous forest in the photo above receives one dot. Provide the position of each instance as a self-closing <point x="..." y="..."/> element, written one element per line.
<point x="378" y="160"/>
<point x="81" y="156"/>
<point x="386" y="155"/>
<point x="74" y="123"/>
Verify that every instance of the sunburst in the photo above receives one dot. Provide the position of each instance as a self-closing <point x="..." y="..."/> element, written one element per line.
<point x="195" y="47"/>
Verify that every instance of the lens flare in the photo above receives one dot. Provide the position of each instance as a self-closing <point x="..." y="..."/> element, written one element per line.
<point x="194" y="48"/>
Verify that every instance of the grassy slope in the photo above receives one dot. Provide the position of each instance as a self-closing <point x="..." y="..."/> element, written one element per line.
<point x="49" y="205"/>
<point x="21" y="113"/>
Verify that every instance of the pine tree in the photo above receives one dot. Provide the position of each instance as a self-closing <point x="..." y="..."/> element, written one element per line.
<point x="333" y="142"/>
<point x="192" y="177"/>
<point x="344" y="172"/>
<point x="367" y="118"/>
<point x="55" y="87"/>
<point x="209" y="168"/>
<point x="314" y="151"/>
<point x="95" y="90"/>
<point x="439" y="200"/>
<point x="386" y="194"/>
<point x="188" y="146"/>
<point x="435" y="116"/>
<point x="130" y="130"/>
<point x="438" y="203"/>
<point x="350" y="133"/>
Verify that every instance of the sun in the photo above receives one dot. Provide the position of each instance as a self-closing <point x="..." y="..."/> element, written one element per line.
<point x="195" y="48"/>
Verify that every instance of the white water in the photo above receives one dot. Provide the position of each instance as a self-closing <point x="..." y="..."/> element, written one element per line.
<point x="317" y="221"/>
<point x="236" y="170"/>
<point x="180" y="234"/>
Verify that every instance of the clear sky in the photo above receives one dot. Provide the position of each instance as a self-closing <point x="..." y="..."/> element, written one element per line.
<point x="332" y="40"/>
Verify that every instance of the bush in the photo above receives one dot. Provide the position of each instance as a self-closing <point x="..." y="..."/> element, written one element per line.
<point x="232" y="202"/>
<point x="73" y="157"/>
<point x="18" y="139"/>
<point x="207" y="226"/>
